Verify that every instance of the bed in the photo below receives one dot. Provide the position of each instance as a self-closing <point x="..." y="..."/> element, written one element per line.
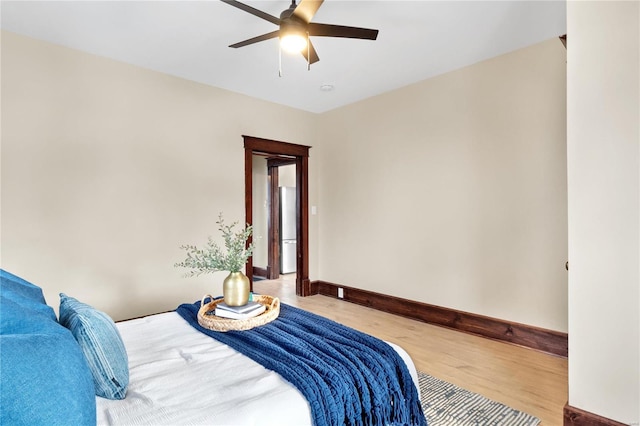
<point x="173" y="373"/>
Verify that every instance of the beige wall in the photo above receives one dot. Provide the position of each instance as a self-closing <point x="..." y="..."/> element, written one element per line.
<point x="260" y="212"/>
<point x="452" y="191"/>
<point x="287" y="175"/>
<point x="603" y="115"/>
<point x="107" y="168"/>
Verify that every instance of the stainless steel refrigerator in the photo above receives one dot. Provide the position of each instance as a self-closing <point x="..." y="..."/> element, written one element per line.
<point x="288" y="242"/>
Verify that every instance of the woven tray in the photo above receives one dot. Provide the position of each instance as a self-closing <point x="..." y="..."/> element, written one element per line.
<point x="215" y="323"/>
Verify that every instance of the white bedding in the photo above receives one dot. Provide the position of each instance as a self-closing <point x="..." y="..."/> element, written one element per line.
<point x="181" y="376"/>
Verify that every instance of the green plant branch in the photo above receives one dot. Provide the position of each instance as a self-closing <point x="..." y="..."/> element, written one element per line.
<point x="211" y="258"/>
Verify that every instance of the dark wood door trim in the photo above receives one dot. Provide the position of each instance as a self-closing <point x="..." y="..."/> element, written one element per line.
<point x="303" y="285"/>
<point x="273" y="224"/>
<point x="248" y="204"/>
<point x="280" y="161"/>
<point x="254" y="145"/>
<point x="268" y="146"/>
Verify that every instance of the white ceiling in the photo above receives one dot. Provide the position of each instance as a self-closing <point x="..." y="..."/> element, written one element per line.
<point x="190" y="39"/>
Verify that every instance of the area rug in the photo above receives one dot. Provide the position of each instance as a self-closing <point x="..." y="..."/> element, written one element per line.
<point x="445" y="404"/>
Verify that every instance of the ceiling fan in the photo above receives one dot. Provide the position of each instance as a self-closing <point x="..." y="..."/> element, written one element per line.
<point x="295" y="28"/>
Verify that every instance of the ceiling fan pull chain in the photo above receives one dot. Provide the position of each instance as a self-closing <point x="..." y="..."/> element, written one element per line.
<point x="279" y="60"/>
<point x="308" y="53"/>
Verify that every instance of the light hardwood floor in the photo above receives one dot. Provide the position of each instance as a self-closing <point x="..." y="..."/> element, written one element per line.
<point x="524" y="379"/>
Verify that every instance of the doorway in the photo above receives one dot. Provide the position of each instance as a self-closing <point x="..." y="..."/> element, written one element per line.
<point x="280" y="153"/>
<point x="282" y="222"/>
<point x="274" y="216"/>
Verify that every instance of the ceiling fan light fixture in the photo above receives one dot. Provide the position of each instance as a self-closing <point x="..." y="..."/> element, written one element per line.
<point x="295" y="28"/>
<point x="293" y="43"/>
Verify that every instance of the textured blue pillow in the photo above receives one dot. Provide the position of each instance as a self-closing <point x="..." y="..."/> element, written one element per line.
<point x="45" y="377"/>
<point x="45" y="380"/>
<point x="101" y="344"/>
<point x="25" y="296"/>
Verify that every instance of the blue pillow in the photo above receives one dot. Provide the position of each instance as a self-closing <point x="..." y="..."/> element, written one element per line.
<point x="45" y="380"/>
<point x="45" y="377"/>
<point x="20" y="286"/>
<point x="101" y="344"/>
<point x="25" y="296"/>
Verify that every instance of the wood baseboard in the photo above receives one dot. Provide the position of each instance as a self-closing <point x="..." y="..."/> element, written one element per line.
<point x="573" y="416"/>
<point x="260" y="272"/>
<point x="549" y="341"/>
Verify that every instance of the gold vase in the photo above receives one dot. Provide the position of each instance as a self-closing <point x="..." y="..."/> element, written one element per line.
<point x="235" y="289"/>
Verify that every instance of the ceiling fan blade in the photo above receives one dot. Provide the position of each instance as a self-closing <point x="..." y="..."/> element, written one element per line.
<point x="306" y="9"/>
<point x="253" y="11"/>
<point x="257" y="39"/>
<point x="313" y="55"/>
<point x="328" y="30"/>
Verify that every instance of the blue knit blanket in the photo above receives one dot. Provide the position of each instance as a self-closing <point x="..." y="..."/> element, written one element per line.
<point x="348" y="377"/>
